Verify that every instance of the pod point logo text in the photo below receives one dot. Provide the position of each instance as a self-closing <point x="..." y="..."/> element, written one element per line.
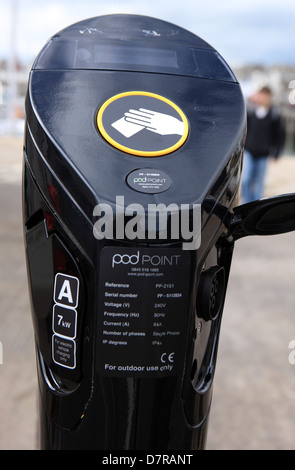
<point x="145" y="260"/>
<point x="125" y="259"/>
<point x="157" y="222"/>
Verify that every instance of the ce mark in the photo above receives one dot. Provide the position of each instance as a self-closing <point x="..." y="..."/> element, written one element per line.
<point x="167" y="358"/>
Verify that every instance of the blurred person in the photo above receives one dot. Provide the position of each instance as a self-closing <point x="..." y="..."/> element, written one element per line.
<point x="265" y="139"/>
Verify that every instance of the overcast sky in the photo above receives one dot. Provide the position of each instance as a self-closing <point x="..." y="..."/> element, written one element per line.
<point x="243" y="31"/>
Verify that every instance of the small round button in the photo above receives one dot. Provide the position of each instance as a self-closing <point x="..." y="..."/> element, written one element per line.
<point x="149" y="180"/>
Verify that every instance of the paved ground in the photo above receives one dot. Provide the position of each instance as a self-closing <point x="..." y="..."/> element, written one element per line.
<point x="18" y="404"/>
<point x="254" y="397"/>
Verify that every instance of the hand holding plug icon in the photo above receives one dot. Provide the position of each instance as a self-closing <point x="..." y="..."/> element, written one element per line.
<point x="160" y="123"/>
<point x="134" y="121"/>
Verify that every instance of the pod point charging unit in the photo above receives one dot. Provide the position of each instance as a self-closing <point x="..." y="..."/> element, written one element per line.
<point x="132" y="164"/>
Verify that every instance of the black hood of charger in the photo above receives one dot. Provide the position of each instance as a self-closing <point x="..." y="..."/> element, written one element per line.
<point x="71" y="80"/>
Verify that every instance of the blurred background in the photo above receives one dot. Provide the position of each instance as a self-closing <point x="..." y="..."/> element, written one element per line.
<point x="254" y="399"/>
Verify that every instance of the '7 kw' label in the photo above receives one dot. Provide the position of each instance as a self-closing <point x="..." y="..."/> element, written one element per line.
<point x="64" y="320"/>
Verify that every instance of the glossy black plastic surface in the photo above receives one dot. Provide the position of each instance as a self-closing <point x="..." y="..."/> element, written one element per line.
<point x="129" y="42"/>
<point x="69" y="168"/>
<point x="270" y="216"/>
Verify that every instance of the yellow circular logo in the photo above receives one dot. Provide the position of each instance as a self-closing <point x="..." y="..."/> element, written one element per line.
<point x="142" y="123"/>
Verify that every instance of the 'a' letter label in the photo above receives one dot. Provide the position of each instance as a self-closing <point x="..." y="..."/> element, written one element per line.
<point x="66" y="290"/>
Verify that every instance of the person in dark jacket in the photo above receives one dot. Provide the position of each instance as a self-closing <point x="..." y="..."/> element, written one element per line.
<point x="265" y="139"/>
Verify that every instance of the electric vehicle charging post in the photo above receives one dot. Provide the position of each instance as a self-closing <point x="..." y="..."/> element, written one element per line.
<point x="133" y="151"/>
